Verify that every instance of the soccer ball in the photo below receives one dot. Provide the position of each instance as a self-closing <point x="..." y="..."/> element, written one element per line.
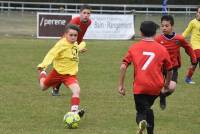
<point x="71" y="120"/>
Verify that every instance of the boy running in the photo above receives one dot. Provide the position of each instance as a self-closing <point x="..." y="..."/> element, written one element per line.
<point x="194" y="29"/>
<point x="147" y="57"/>
<point x="172" y="42"/>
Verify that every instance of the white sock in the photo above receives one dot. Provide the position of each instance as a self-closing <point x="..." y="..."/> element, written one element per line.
<point x="74" y="108"/>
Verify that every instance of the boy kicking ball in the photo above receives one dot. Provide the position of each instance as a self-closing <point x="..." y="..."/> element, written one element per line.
<point x="64" y="56"/>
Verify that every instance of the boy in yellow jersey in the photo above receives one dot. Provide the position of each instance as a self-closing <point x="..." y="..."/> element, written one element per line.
<point x="64" y="56"/>
<point x="83" y="21"/>
<point x="194" y="29"/>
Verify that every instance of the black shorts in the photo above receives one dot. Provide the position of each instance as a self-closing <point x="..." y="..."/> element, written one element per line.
<point x="144" y="101"/>
<point x="174" y="74"/>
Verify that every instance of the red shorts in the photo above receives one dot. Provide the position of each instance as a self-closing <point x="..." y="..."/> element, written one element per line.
<point x="197" y="53"/>
<point x="54" y="78"/>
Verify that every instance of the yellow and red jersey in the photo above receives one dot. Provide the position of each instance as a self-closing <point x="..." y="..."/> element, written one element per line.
<point x="148" y="58"/>
<point x="173" y="47"/>
<point x="64" y="56"/>
<point x="194" y="29"/>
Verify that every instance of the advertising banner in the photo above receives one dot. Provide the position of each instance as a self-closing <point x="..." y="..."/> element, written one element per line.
<point x="103" y="27"/>
<point x="109" y="27"/>
<point x="51" y="25"/>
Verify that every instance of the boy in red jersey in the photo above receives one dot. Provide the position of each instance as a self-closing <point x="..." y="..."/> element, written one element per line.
<point x="83" y="21"/>
<point x="172" y="42"/>
<point x="64" y="56"/>
<point x="147" y="57"/>
<point x="194" y="29"/>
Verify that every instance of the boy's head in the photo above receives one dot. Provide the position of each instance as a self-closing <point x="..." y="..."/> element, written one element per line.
<point x="148" y="28"/>
<point x="85" y="12"/>
<point x="167" y="23"/>
<point x="198" y="14"/>
<point x="71" y="33"/>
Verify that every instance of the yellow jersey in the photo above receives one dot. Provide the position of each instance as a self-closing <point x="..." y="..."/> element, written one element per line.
<point x="64" y="56"/>
<point x="194" y="29"/>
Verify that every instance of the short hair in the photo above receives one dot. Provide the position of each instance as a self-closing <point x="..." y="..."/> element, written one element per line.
<point x="168" y="18"/>
<point x="148" y="28"/>
<point x="72" y="26"/>
<point x="85" y="7"/>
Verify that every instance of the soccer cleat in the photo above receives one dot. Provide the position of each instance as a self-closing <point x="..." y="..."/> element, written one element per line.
<point x="55" y="92"/>
<point x="81" y="113"/>
<point x="142" y="127"/>
<point x="162" y="102"/>
<point x="189" y="80"/>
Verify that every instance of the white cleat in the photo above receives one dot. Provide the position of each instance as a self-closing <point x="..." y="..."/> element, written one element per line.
<point x="142" y="127"/>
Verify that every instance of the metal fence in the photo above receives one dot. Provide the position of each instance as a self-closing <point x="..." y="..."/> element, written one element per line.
<point x="19" y="18"/>
<point x="97" y="8"/>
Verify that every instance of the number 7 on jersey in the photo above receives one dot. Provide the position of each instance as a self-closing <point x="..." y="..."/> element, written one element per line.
<point x="149" y="60"/>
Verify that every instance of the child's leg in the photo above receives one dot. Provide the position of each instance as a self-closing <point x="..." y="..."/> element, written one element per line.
<point x="42" y="78"/>
<point x="72" y="83"/>
<point x="49" y="80"/>
<point x="190" y="71"/>
<point x="75" y="99"/>
<point x="150" y="114"/>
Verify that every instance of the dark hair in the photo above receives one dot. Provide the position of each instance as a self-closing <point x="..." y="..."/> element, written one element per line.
<point x="85" y="7"/>
<point x="148" y="28"/>
<point x="72" y="26"/>
<point x="168" y="18"/>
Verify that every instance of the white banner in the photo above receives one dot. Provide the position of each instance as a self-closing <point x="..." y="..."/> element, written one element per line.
<point x="111" y="27"/>
<point x="105" y="27"/>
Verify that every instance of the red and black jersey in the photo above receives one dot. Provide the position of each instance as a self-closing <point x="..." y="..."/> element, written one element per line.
<point x="173" y="47"/>
<point x="83" y="27"/>
<point x="148" y="57"/>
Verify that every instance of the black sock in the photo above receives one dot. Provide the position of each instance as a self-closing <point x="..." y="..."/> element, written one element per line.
<point x="150" y="121"/>
<point x="140" y="116"/>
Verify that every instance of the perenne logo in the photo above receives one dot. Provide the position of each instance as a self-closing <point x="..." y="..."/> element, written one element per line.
<point x="52" y="22"/>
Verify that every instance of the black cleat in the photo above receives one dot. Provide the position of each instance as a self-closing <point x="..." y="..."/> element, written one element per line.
<point x="81" y="113"/>
<point x="162" y="102"/>
<point x="55" y="92"/>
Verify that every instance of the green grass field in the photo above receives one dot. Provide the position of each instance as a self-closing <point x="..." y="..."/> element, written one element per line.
<point x="25" y="109"/>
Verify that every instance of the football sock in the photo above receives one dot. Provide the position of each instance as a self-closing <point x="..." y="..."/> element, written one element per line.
<point x="190" y="72"/>
<point x="75" y="101"/>
<point x="150" y="121"/>
<point x="141" y="116"/>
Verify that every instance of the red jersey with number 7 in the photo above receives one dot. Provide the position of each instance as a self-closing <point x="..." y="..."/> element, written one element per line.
<point x="148" y="58"/>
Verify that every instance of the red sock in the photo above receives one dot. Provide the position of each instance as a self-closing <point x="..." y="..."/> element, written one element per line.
<point x="75" y="101"/>
<point x="190" y="72"/>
